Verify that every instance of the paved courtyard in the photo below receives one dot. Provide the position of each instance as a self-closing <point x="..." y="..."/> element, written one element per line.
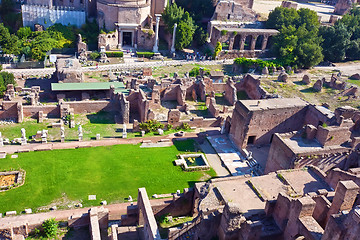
<point x="323" y="10"/>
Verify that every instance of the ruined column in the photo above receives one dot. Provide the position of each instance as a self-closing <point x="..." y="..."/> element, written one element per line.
<point x="1" y="141"/>
<point x="264" y="42"/>
<point x="345" y="196"/>
<point x="173" y="40"/>
<point x="156" y="45"/>
<point x="253" y="42"/>
<point x="242" y="42"/>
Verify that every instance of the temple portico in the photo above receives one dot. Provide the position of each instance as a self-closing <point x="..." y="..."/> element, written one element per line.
<point x="127" y="34"/>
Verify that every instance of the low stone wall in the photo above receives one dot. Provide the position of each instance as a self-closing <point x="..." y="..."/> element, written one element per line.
<point x="90" y="106"/>
<point x="49" y="110"/>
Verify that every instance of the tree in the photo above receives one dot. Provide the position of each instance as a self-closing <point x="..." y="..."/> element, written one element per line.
<point x="335" y="41"/>
<point x="353" y="50"/>
<point x="5" y="79"/>
<point x="23" y="33"/>
<point x="171" y="15"/>
<point x="185" y="32"/>
<point x="198" y="9"/>
<point x="298" y="43"/>
<point x="282" y="17"/>
<point x="8" y="43"/>
<point x="200" y="36"/>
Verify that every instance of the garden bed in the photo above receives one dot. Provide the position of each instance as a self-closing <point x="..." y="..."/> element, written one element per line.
<point x="11" y="179"/>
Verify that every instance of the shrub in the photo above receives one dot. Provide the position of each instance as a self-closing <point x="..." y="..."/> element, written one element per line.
<point x="224" y="32"/>
<point x="246" y="63"/>
<point x="114" y="54"/>
<point x="218" y="49"/>
<point x="50" y="227"/>
<point x="169" y="126"/>
<point x="196" y="72"/>
<point x="94" y="55"/>
<point x="145" y="54"/>
<point x="151" y="126"/>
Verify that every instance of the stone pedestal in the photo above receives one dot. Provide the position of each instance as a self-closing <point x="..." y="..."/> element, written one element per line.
<point x="142" y="133"/>
<point x="98" y="136"/>
<point x="43" y="140"/>
<point x="62" y="139"/>
<point x="80" y="138"/>
<point x="1" y="142"/>
<point x="124" y="135"/>
<point x="23" y="141"/>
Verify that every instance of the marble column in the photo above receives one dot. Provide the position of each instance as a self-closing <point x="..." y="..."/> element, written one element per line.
<point x="253" y="42"/>
<point x="173" y="39"/>
<point x="156" y="45"/>
<point x="242" y="42"/>
<point x="264" y="42"/>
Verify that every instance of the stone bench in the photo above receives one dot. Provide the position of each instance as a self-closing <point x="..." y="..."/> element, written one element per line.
<point x="146" y="141"/>
<point x="165" y="140"/>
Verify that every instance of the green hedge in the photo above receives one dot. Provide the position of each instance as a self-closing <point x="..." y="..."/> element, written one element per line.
<point x="145" y="54"/>
<point x="246" y="63"/>
<point x="114" y="54"/>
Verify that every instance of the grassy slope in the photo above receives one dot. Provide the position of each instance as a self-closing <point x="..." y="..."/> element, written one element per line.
<point x="112" y="173"/>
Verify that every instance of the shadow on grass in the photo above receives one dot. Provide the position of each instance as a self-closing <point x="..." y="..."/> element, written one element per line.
<point x="200" y="113"/>
<point x="300" y="83"/>
<point x="187" y="145"/>
<point x="101" y="118"/>
<point x="308" y="90"/>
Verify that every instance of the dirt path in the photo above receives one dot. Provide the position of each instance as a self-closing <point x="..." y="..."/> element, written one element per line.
<point x="10" y="149"/>
<point x="115" y="212"/>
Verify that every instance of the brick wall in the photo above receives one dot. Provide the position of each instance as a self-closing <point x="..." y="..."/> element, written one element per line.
<point x="49" y="110"/>
<point x="9" y="110"/>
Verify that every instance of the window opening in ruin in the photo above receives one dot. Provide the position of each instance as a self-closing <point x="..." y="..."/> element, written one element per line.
<point x="228" y="16"/>
<point x="251" y="139"/>
<point x="320" y="123"/>
<point x="127" y="38"/>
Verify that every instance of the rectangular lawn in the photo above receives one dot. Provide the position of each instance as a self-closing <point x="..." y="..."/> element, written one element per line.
<point x="111" y="173"/>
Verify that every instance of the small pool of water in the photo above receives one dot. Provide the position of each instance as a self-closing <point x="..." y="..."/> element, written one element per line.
<point x="195" y="161"/>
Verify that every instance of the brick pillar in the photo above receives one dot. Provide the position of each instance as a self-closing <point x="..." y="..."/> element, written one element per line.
<point x="253" y="42"/>
<point x="264" y="42"/>
<point x="231" y="43"/>
<point x="242" y="42"/>
<point x="345" y="195"/>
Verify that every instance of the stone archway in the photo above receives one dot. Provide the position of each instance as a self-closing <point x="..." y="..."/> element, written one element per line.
<point x="247" y="45"/>
<point x="237" y="40"/>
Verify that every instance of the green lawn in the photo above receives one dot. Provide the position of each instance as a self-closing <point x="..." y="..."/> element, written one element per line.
<point x="112" y="173"/>
<point x="101" y="122"/>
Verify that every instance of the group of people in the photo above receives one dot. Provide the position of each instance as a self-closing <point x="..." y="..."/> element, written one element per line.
<point x="193" y="57"/>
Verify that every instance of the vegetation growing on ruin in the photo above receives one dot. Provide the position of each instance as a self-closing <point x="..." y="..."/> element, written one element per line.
<point x="111" y="173"/>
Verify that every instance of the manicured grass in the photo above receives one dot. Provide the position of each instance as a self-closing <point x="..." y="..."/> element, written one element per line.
<point x="112" y="173"/>
<point x="101" y="122"/>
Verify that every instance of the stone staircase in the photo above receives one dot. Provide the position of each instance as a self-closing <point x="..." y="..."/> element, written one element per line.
<point x="188" y="230"/>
